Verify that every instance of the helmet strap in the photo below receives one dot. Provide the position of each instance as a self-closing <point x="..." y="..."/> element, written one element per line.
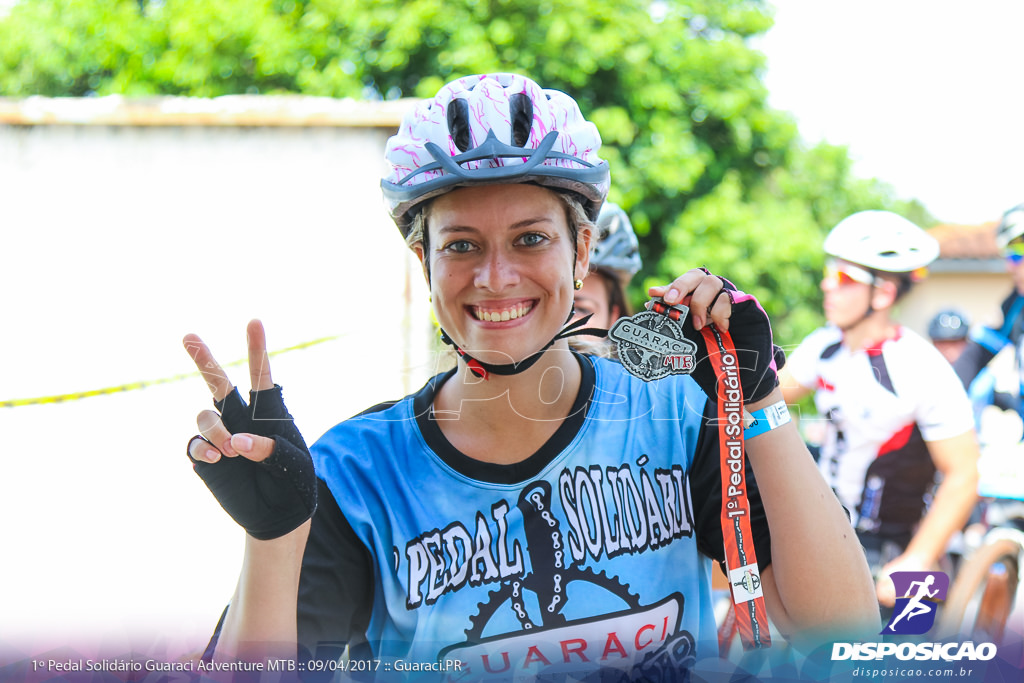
<point x="485" y="370"/>
<point x="901" y="286"/>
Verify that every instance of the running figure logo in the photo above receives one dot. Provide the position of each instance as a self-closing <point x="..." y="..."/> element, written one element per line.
<point x="914" y="613"/>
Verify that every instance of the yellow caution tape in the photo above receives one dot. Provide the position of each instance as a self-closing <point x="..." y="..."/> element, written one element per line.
<point x="78" y="395"/>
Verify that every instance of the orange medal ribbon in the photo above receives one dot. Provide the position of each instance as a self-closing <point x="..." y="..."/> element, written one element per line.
<point x="740" y="559"/>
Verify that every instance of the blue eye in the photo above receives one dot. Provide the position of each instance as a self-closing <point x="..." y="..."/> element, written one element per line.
<point x="459" y="246"/>
<point x="532" y="239"/>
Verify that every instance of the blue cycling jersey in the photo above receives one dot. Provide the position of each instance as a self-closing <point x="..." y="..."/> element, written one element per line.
<point x="592" y="553"/>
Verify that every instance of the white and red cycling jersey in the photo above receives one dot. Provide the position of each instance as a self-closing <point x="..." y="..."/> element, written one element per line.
<point x="882" y="404"/>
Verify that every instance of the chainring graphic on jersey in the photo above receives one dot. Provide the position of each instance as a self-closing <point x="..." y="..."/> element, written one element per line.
<point x="521" y="627"/>
<point x="917" y="598"/>
<point x="652" y="346"/>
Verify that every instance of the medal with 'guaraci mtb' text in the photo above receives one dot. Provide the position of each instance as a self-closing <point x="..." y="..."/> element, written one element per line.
<point x="651" y="343"/>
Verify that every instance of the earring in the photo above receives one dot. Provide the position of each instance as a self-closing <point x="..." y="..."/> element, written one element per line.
<point x="578" y="285"/>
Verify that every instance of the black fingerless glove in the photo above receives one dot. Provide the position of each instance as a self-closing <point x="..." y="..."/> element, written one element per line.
<point x="270" y="498"/>
<point x="758" y="358"/>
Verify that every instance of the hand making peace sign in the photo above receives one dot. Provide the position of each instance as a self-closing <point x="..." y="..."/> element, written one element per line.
<point x="252" y="457"/>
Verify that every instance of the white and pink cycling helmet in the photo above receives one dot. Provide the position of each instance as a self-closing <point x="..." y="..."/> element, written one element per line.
<point x="493" y="128"/>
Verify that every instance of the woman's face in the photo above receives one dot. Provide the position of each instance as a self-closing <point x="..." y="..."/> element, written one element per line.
<point x="502" y="265"/>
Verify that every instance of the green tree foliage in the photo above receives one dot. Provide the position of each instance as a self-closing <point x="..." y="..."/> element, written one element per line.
<point x="709" y="173"/>
<point x="767" y="235"/>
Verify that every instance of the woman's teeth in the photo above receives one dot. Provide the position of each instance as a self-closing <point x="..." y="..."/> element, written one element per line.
<point x="511" y="313"/>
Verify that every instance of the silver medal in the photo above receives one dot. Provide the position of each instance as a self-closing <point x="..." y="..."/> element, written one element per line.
<point x="652" y="346"/>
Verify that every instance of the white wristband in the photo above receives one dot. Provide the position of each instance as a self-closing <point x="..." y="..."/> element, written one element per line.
<point x="765" y="419"/>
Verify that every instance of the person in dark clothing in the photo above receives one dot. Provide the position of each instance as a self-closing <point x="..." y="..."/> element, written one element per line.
<point x="985" y="342"/>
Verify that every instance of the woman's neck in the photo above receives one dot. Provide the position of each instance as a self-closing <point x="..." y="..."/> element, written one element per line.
<point x="507" y="418"/>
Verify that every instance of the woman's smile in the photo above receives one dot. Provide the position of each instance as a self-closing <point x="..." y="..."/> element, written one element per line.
<point x="493" y="312"/>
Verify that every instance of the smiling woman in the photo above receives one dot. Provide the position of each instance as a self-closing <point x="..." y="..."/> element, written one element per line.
<point x="511" y="513"/>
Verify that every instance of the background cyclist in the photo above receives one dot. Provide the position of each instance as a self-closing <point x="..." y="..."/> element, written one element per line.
<point x="613" y="263"/>
<point x="895" y="411"/>
<point x="948" y="331"/>
<point x="985" y="342"/>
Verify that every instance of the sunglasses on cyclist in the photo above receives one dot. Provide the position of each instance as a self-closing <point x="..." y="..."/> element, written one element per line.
<point x="1014" y="252"/>
<point x="847" y="274"/>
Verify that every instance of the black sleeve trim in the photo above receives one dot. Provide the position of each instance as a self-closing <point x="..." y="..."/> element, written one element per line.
<point x="337" y="583"/>
<point x="706" y="489"/>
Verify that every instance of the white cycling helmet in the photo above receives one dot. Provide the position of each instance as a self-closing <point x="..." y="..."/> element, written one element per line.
<point x="1011" y="226"/>
<point x="882" y="241"/>
<point x="493" y="128"/>
<point x="617" y="249"/>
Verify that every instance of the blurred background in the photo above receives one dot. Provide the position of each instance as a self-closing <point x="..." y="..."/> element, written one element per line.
<point x="185" y="165"/>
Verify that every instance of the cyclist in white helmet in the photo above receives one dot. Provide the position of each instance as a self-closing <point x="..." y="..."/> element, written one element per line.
<point x="614" y="261"/>
<point x="896" y="413"/>
<point x="532" y="510"/>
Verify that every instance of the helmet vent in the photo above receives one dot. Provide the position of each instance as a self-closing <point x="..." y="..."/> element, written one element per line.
<point x="492" y="129"/>
<point x="520" y="109"/>
<point x="458" y="123"/>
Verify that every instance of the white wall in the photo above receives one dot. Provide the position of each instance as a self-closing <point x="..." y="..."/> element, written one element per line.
<point x="977" y="295"/>
<point x="114" y="242"/>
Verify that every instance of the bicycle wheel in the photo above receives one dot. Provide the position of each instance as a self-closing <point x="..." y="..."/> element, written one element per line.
<point x="983" y="596"/>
